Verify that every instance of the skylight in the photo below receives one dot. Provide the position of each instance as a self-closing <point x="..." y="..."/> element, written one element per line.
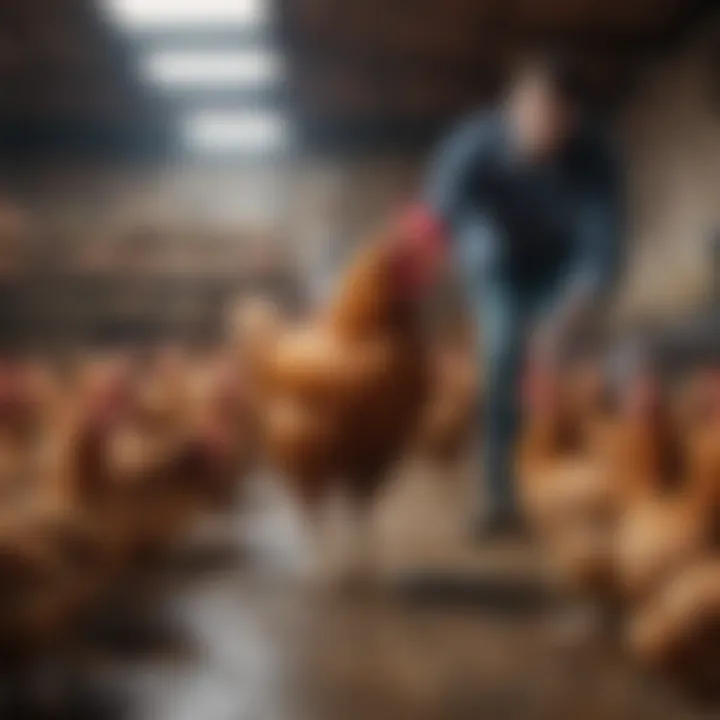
<point x="241" y="130"/>
<point x="144" y="14"/>
<point x="179" y="68"/>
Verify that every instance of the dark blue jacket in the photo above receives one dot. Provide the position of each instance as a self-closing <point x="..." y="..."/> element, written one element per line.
<point x="512" y="221"/>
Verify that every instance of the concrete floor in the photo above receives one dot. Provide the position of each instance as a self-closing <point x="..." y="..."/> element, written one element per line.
<point x="258" y="644"/>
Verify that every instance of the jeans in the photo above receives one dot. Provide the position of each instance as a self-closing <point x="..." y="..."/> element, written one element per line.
<point x="506" y="311"/>
<point x="507" y="314"/>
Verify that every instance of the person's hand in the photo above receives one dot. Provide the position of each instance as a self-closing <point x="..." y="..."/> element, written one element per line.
<point x="423" y="234"/>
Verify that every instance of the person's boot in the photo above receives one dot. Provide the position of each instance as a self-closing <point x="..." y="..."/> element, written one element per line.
<point x="498" y="527"/>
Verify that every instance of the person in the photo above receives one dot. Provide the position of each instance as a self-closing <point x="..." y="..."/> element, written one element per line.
<point x="529" y="195"/>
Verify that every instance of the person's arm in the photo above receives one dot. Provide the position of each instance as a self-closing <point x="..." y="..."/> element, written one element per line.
<point x="455" y="167"/>
<point x="450" y="186"/>
<point x="600" y="242"/>
<point x="600" y="228"/>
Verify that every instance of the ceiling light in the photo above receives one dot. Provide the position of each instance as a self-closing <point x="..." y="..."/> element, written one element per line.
<point x="199" y="67"/>
<point x="239" y="130"/>
<point x="143" y="14"/>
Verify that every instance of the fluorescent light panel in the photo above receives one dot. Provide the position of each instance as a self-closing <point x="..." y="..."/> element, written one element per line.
<point x="141" y="14"/>
<point x="188" y="68"/>
<point x="219" y="131"/>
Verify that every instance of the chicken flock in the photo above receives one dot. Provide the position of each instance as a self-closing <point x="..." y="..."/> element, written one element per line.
<point x="620" y="483"/>
<point x="108" y="462"/>
<point x="102" y="468"/>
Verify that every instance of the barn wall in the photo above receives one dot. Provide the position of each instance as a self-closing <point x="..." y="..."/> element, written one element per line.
<point x="671" y="137"/>
<point x="110" y="253"/>
<point x="229" y="223"/>
<point x="104" y="252"/>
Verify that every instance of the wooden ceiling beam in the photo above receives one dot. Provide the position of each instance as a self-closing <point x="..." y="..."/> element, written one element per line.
<point x="641" y="16"/>
<point x="390" y="135"/>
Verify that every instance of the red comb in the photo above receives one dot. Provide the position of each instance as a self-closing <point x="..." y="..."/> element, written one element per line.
<point x="644" y="397"/>
<point x="538" y="386"/>
<point x="110" y="397"/>
<point x="421" y="238"/>
<point x="420" y="224"/>
<point x="15" y="390"/>
<point x="711" y="386"/>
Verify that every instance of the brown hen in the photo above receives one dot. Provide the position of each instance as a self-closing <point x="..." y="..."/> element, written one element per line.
<point x="342" y="394"/>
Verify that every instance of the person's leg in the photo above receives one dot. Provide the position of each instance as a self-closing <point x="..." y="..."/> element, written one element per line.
<point x="503" y="329"/>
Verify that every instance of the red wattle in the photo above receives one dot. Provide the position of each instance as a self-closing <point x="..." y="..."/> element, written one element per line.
<point x="422" y="226"/>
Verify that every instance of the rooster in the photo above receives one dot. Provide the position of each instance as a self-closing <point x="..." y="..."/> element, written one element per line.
<point x="668" y="549"/>
<point x="342" y="394"/>
<point x="566" y="488"/>
<point x="667" y="519"/>
<point x="222" y="427"/>
<point x="53" y="567"/>
<point x="677" y="632"/>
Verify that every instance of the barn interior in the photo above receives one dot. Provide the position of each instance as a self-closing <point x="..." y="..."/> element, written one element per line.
<point x="162" y="161"/>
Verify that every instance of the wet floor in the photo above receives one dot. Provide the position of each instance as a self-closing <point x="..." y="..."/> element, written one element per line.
<point x="257" y="642"/>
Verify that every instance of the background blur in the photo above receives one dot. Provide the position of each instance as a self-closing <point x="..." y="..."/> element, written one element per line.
<point x="156" y="155"/>
<point x="160" y="158"/>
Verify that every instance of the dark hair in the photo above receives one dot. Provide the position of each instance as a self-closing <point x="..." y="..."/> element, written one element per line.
<point x="561" y="72"/>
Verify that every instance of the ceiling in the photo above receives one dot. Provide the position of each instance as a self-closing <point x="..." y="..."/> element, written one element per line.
<point x="66" y="78"/>
<point x="382" y="70"/>
<point x="356" y="74"/>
